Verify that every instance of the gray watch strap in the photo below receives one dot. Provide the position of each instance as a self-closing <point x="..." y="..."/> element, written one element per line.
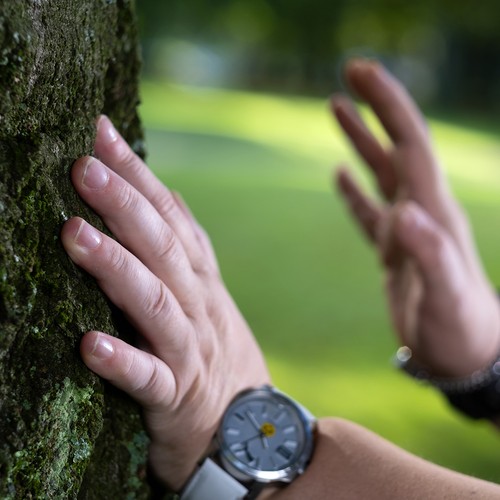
<point x="212" y="482"/>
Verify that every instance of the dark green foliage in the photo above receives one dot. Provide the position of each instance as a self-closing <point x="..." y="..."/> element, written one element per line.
<point x="63" y="434"/>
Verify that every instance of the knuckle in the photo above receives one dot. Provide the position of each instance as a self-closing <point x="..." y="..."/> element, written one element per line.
<point x="167" y="247"/>
<point x="127" y="198"/>
<point x="204" y="268"/>
<point x="117" y="258"/>
<point x="124" y="154"/>
<point x="206" y="264"/>
<point x="157" y="302"/>
<point x="165" y="203"/>
<point x="126" y="368"/>
<point x="152" y="386"/>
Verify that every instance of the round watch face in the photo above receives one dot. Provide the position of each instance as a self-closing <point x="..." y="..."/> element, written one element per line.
<point x="264" y="435"/>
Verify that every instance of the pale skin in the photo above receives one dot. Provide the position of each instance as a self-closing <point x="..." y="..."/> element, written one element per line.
<point x="352" y="463"/>
<point x="196" y="352"/>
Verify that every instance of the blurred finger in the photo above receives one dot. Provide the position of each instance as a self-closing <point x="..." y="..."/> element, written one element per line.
<point x="418" y="174"/>
<point x="366" y="144"/>
<point x="114" y="152"/>
<point x="364" y="210"/>
<point x="389" y="100"/>
<point x="132" y="287"/>
<point x="141" y="375"/>
<point x="391" y="253"/>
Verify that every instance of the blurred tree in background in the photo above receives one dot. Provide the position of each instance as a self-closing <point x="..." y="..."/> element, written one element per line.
<point x="446" y="52"/>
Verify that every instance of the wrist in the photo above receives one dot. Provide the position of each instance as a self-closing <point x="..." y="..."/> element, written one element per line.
<point x="264" y="439"/>
<point x="477" y="395"/>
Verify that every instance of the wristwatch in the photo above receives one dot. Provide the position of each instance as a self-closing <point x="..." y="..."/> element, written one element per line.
<point x="264" y="437"/>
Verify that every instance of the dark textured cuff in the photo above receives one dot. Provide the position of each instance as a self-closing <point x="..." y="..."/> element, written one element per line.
<point x="477" y="396"/>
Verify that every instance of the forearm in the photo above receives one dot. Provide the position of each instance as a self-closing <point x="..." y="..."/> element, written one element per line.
<point x="351" y="462"/>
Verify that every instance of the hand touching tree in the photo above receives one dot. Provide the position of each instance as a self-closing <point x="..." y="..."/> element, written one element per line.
<point x="196" y="351"/>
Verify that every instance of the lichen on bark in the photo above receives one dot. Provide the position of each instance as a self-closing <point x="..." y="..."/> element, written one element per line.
<point x="63" y="433"/>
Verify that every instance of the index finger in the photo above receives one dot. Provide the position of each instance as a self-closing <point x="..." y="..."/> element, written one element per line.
<point x="389" y="100"/>
<point x="116" y="154"/>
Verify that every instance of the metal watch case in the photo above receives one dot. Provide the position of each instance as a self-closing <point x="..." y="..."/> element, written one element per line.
<point x="265" y="436"/>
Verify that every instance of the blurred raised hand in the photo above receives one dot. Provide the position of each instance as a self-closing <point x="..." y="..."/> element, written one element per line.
<point x="441" y="303"/>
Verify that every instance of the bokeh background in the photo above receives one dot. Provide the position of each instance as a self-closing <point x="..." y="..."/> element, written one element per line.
<point x="235" y="107"/>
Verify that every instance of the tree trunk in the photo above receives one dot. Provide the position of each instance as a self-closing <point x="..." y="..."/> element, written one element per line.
<point x="63" y="433"/>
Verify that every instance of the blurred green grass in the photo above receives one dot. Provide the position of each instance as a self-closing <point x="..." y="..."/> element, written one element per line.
<point x="256" y="171"/>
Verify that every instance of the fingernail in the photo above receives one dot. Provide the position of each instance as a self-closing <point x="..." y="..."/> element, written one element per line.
<point x="106" y="130"/>
<point x="363" y="63"/>
<point x="87" y="236"/>
<point x="103" y="348"/>
<point x="354" y="64"/>
<point x="95" y="175"/>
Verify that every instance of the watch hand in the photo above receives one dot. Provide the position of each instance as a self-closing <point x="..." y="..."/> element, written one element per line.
<point x="253" y="420"/>
<point x="250" y="457"/>
<point x="243" y="444"/>
<point x="263" y="435"/>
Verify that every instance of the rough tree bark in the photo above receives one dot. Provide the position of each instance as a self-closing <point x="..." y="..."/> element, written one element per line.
<point x="63" y="434"/>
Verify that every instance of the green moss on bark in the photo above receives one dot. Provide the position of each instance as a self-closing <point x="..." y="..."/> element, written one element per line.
<point x="63" y="433"/>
